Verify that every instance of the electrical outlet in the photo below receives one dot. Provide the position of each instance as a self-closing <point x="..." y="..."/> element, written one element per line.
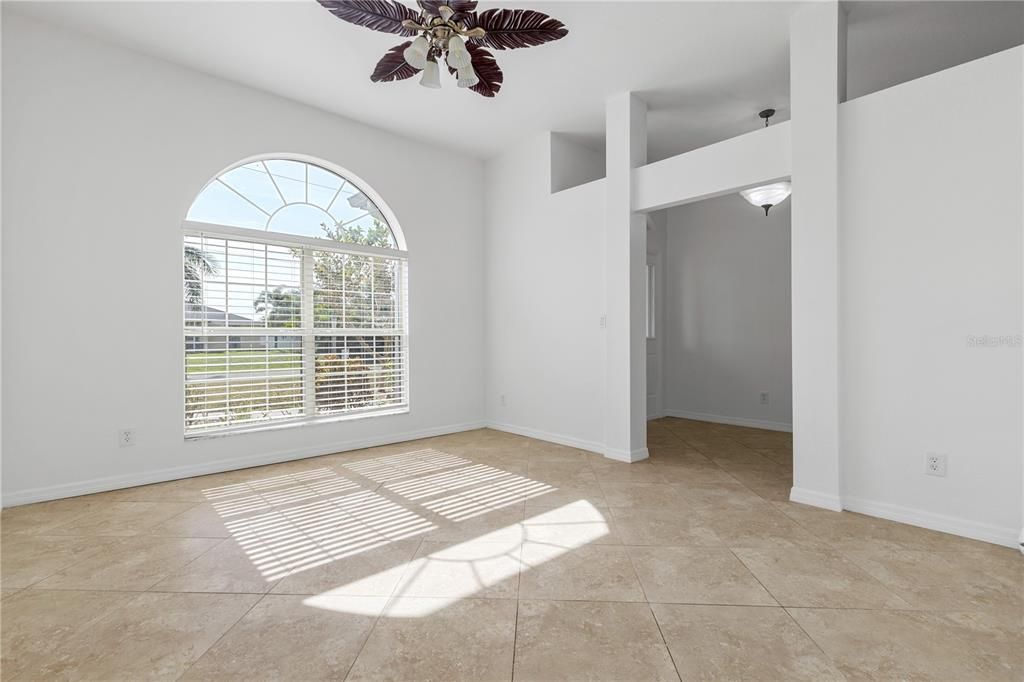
<point x="126" y="438"/>
<point x="604" y="322"/>
<point x="764" y="397"/>
<point x="935" y="465"/>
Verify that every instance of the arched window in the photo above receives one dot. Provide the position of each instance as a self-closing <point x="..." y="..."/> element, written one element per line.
<point x="294" y="300"/>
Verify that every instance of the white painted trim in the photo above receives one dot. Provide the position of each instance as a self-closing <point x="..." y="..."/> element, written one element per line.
<point x="628" y="457"/>
<point x="947" y="524"/>
<point x="98" y="485"/>
<point x="815" y="499"/>
<point x="570" y="441"/>
<point x="735" y="421"/>
<point x="590" y="446"/>
<point x="197" y="229"/>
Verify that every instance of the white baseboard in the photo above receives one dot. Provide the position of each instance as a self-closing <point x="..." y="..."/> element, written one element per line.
<point x="814" y="498"/>
<point x="628" y="456"/>
<point x="1010" y="537"/>
<point x="104" y="484"/>
<point x="570" y="441"/>
<point x="591" y="446"/>
<point x="947" y="524"/>
<point x="735" y="421"/>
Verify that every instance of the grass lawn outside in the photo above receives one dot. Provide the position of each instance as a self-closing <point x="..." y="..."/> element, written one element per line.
<point x="241" y="360"/>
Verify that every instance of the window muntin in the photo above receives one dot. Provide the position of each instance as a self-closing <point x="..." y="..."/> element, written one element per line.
<point x="290" y="329"/>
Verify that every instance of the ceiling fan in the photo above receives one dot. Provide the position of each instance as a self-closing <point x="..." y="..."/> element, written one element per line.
<point x="449" y="32"/>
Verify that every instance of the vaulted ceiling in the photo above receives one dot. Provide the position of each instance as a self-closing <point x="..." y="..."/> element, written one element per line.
<point x="705" y="68"/>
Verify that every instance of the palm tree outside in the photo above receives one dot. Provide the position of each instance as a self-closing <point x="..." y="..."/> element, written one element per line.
<point x="198" y="264"/>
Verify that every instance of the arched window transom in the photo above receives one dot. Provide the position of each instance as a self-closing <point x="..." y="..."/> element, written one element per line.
<point x="293" y="197"/>
<point x="295" y="305"/>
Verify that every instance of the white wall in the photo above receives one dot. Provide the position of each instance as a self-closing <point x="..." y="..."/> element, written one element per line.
<point x="573" y="163"/>
<point x="104" y="150"/>
<point x="544" y="256"/>
<point x="930" y="256"/>
<point x="727" y="313"/>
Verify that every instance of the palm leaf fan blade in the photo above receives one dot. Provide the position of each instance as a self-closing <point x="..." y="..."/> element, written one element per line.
<point x="393" y="67"/>
<point x="509" y="29"/>
<point x="487" y="70"/>
<point x="385" y="16"/>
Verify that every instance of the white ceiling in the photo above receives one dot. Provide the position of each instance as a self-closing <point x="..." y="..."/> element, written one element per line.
<point x="705" y="68"/>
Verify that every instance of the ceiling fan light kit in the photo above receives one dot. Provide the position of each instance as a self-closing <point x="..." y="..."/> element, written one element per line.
<point x="416" y="54"/>
<point x="451" y="32"/>
<point x="467" y="77"/>
<point x="458" y="55"/>
<point x="431" y="74"/>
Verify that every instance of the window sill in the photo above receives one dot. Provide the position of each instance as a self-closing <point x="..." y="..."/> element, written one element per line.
<point x="291" y="424"/>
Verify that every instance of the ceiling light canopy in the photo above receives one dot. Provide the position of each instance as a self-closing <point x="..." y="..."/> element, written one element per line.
<point x="768" y="195"/>
<point x="448" y="32"/>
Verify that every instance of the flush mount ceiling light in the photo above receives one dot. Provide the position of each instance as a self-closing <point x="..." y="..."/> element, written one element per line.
<point x="768" y="195"/>
<point x="449" y="33"/>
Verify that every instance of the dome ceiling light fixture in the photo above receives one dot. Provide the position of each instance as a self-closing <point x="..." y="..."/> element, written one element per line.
<point x="767" y="196"/>
<point x="448" y="33"/>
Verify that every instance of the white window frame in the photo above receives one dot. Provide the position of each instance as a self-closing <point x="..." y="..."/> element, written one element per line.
<point x="307" y="331"/>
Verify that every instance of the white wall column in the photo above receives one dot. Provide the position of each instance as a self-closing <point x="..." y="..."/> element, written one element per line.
<point x="817" y="85"/>
<point x="625" y="282"/>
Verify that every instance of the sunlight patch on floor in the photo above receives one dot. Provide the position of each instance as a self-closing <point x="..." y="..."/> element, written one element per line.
<point x="293" y="522"/>
<point x="473" y="567"/>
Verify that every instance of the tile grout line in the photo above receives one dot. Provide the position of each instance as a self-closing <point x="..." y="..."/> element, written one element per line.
<point x="811" y="637"/>
<point x="222" y="636"/>
<point x="167" y="575"/>
<point x="380" y="614"/>
<point x="754" y="576"/>
<point x="515" y="637"/>
<point x="650" y="608"/>
<point x="664" y="641"/>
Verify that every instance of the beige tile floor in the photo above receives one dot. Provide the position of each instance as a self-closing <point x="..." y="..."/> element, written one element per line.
<point x="488" y="556"/>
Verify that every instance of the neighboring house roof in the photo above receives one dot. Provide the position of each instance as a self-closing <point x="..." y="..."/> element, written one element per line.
<point x="214" y="317"/>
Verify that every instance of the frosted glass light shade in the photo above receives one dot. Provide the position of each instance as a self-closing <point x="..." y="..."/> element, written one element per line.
<point x="458" y="55"/>
<point x="416" y="54"/>
<point x="767" y="195"/>
<point x="431" y="75"/>
<point x="467" y="77"/>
